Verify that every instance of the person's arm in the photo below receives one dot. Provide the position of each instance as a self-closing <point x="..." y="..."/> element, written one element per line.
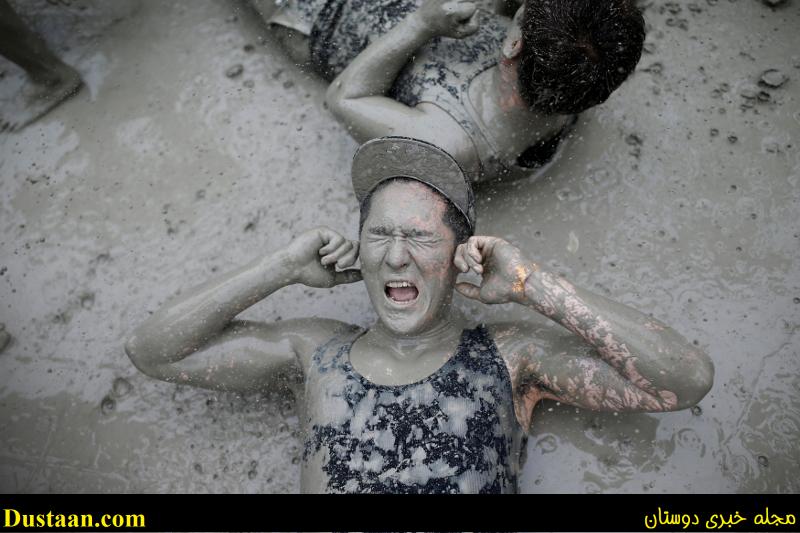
<point x="637" y="363"/>
<point x="196" y="340"/>
<point x="356" y="96"/>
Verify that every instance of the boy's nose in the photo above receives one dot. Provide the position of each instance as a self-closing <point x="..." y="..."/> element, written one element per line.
<point x="397" y="257"/>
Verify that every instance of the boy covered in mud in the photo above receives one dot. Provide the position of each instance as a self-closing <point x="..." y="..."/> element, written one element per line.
<point x="423" y="401"/>
<point x="497" y="93"/>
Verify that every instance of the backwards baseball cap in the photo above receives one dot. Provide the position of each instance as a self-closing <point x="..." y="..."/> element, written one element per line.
<point x="401" y="157"/>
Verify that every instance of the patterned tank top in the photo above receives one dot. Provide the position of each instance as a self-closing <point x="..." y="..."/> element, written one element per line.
<point x="440" y="72"/>
<point x="452" y="432"/>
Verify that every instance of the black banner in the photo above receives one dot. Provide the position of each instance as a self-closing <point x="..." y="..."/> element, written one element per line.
<point x="147" y="512"/>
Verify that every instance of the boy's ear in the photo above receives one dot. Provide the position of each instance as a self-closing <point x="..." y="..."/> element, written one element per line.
<point x="515" y="48"/>
<point x="512" y="45"/>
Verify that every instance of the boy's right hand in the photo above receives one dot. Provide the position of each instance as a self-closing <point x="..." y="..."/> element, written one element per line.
<point x="315" y="256"/>
<point x="448" y="18"/>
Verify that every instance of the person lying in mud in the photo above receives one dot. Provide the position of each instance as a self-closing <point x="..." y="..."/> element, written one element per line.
<point x="497" y="93"/>
<point x="52" y="80"/>
<point x="422" y="401"/>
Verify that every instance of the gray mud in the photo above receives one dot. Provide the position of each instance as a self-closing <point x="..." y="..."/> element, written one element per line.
<point x="197" y="144"/>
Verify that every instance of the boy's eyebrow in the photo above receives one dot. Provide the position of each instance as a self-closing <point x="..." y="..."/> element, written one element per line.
<point x="409" y="232"/>
<point x="418" y="233"/>
<point x="380" y="230"/>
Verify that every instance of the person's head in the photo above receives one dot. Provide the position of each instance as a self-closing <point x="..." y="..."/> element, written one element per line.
<point x="409" y="229"/>
<point x="408" y="238"/>
<point x="570" y="55"/>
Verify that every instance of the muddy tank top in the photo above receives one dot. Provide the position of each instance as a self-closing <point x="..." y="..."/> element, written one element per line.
<point x="440" y="71"/>
<point x="452" y="432"/>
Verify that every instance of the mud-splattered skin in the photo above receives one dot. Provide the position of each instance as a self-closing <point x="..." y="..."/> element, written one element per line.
<point x="435" y="70"/>
<point x="449" y="377"/>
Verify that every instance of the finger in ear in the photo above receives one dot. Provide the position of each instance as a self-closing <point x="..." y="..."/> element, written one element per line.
<point x="469" y="290"/>
<point x="459" y="262"/>
<point x="348" y="276"/>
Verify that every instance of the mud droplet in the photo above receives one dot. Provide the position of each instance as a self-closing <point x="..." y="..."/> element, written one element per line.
<point x="249" y="84"/>
<point x="796" y="300"/>
<point x="235" y="70"/>
<point x="655" y="68"/>
<point x="749" y="94"/>
<point x="248" y="47"/>
<point x="5" y="337"/>
<point x="252" y="474"/>
<point x="573" y="244"/>
<point x="547" y="444"/>
<point x="732" y="139"/>
<point x="688" y="438"/>
<point x="697" y="410"/>
<point x="87" y="300"/>
<point x="288" y="84"/>
<point x="198" y="468"/>
<point x="121" y="387"/>
<point x="763" y="460"/>
<point x="633" y="140"/>
<point x="108" y="405"/>
<point x="714" y="132"/>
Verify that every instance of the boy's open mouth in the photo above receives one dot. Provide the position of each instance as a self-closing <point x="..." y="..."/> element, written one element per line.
<point x="401" y="291"/>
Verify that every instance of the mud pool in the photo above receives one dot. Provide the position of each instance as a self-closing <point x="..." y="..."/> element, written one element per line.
<point x="197" y="145"/>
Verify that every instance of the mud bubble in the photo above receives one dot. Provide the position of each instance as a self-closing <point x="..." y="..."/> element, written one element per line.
<point x="773" y="78"/>
<point x="108" y="405"/>
<point x="235" y="71"/>
<point x="121" y="387"/>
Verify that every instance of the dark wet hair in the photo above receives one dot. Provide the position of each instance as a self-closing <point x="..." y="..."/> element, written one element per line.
<point x="575" y="53"/>
<point x="452" y="217"/>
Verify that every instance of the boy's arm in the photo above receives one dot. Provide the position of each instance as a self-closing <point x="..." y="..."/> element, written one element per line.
<point x="356" y="96"/>
<point x="235" y="355"/>
<point x="636" y="363"/>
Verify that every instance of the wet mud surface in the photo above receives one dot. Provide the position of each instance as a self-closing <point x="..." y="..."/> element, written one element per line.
<point x="197" y="145"/>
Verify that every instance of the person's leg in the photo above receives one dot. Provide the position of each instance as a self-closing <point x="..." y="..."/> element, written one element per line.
<point x="26" y="49"/>
<point x="55" y="79"/>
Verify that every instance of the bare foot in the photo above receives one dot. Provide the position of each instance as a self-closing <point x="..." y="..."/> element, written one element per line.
<point x="34" y="99"/>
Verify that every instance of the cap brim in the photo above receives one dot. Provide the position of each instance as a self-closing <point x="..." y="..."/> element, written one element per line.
<point x="394" y="157"/>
